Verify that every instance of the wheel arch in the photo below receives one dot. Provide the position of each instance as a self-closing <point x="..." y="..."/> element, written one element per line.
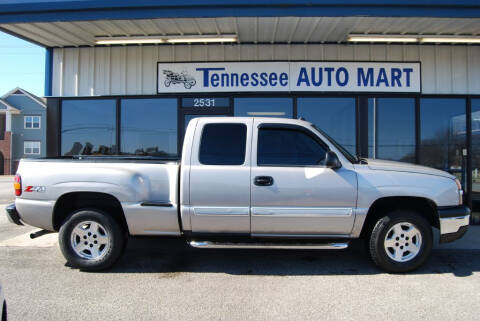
<point x="424" y="206"/>
<point x="72" y="201"/>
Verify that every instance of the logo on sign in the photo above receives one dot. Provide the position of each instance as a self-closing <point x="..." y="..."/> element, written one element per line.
<point x="174" y="78"/>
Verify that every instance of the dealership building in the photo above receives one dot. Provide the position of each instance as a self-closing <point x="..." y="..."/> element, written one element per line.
<point x="396" y="80"/>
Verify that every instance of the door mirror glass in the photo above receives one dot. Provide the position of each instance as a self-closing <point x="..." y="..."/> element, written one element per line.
<point x="332" y="161"/>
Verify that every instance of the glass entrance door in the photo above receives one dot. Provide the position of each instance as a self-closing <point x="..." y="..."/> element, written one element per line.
<point x="194" y="107"/>
<point x="391" y="129"/>
<point x="189" y="117"/>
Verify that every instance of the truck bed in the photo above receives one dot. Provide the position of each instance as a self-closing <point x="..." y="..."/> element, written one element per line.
<point x="106" y="158"/>
<point x="147" y="189"/>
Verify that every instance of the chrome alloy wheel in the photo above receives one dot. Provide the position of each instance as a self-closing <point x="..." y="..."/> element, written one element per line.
<point x="403" y="242"/>
<point x="90" y="240"/>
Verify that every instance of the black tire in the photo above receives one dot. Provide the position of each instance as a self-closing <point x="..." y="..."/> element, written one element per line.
<point x="377" y="249"/>
<point x="112" y="228"/>
<point x="4" y="311"/>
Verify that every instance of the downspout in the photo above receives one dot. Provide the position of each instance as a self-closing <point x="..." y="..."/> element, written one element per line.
<point x="48" y="71"/>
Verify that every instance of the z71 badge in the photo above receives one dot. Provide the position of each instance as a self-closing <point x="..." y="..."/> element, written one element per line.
<point x="38" y="189"/>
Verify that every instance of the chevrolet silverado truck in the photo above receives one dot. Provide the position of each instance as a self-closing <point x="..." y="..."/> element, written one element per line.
<point x="242" y="183"/>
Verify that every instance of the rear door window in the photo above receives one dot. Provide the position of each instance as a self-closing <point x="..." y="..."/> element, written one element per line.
<point x="223" y="144"/>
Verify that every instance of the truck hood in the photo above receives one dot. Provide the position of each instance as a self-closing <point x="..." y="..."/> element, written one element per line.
<point x="384" y="165"/>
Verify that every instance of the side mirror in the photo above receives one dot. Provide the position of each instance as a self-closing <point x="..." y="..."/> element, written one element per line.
<point x="332" y="161"/>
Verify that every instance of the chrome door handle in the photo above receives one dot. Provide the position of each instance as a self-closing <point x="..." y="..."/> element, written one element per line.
<point x="263" y="181"/>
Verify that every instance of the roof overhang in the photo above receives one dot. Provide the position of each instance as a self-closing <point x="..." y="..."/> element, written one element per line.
<point x="17" y="11"/>
<point x="246" y="30"/>
<point x="75" y="23"/>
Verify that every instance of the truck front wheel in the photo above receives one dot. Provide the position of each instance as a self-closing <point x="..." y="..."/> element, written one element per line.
<point x="401" y="241"/>
<point x="91" y="240"/>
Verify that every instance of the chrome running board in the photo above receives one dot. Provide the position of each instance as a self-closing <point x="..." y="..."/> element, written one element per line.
<point x="279" y="246"/>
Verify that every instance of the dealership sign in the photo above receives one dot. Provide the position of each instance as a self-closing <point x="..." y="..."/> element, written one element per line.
<point x="289" y="76"/>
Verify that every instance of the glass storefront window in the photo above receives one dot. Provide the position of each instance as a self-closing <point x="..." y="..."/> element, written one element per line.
<point x="476" y="158"/>
<point x="264" y="107"/>
<point x="443" y="134"/>
<point x="149" y="127"/>
<point x="335" y="116"/>
<point x="88" y="127"/>
<point x="391" y="129"/>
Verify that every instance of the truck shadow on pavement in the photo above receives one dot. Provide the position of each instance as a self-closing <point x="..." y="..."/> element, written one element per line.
<point x="170" y="257"/>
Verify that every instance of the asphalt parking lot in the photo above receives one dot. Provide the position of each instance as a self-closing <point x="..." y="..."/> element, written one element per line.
<point x="163" y="279"/>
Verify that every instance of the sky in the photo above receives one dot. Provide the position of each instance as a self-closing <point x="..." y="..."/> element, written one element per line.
<point x="22" y="64"/>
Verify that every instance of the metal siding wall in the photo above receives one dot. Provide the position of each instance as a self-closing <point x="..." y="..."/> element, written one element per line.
<point x="71" y="72"/>
<point x="473" y="68"/>
<point x="131" y="70"/>
<point x="459" y="69"/>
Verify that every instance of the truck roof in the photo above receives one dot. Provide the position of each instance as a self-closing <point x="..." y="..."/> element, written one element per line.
<point x="263" y="119"/>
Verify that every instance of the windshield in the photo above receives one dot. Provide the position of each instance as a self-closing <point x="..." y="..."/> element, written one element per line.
<point x="346" y="153"/>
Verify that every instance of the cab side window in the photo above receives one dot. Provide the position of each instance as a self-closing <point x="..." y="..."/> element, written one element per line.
<point x="289" y="147"/>
<point x="223" y="144"/>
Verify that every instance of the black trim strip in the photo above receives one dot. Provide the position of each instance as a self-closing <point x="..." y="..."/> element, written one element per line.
<point x="157" y="203"/>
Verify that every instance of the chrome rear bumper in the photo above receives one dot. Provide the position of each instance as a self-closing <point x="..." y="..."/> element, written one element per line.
<point x="13" y="215"/>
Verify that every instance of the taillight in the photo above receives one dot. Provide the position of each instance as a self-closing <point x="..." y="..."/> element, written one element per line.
<point x="17" y="185"/>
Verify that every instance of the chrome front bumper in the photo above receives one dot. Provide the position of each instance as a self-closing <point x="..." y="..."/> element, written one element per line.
<point x="454" y="222"/>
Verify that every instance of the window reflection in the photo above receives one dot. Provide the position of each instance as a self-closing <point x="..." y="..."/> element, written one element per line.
<point x="88" y="127"/>
<point x="264" y="107"/>
<point x="335" y="116"/>
<point x="391" y="129"/>
<point x="443" y="134"/>
<point x="149" y="127"/>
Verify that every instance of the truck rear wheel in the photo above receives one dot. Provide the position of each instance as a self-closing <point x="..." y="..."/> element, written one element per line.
<point x="91" y="240"/>
<point x="401" y="241"/>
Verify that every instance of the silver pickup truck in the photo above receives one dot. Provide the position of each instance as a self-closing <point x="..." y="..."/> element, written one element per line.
<point x="242" y="183"/>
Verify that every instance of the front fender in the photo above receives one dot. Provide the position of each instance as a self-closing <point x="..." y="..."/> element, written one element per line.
<point x="375" y="184"/>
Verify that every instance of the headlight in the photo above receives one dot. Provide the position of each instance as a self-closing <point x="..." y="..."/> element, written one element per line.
<point x="460" y="192"/>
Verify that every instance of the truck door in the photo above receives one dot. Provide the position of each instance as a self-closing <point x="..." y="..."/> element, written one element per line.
<point x="293" y="193"/>
<point x="220" y="176"/>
